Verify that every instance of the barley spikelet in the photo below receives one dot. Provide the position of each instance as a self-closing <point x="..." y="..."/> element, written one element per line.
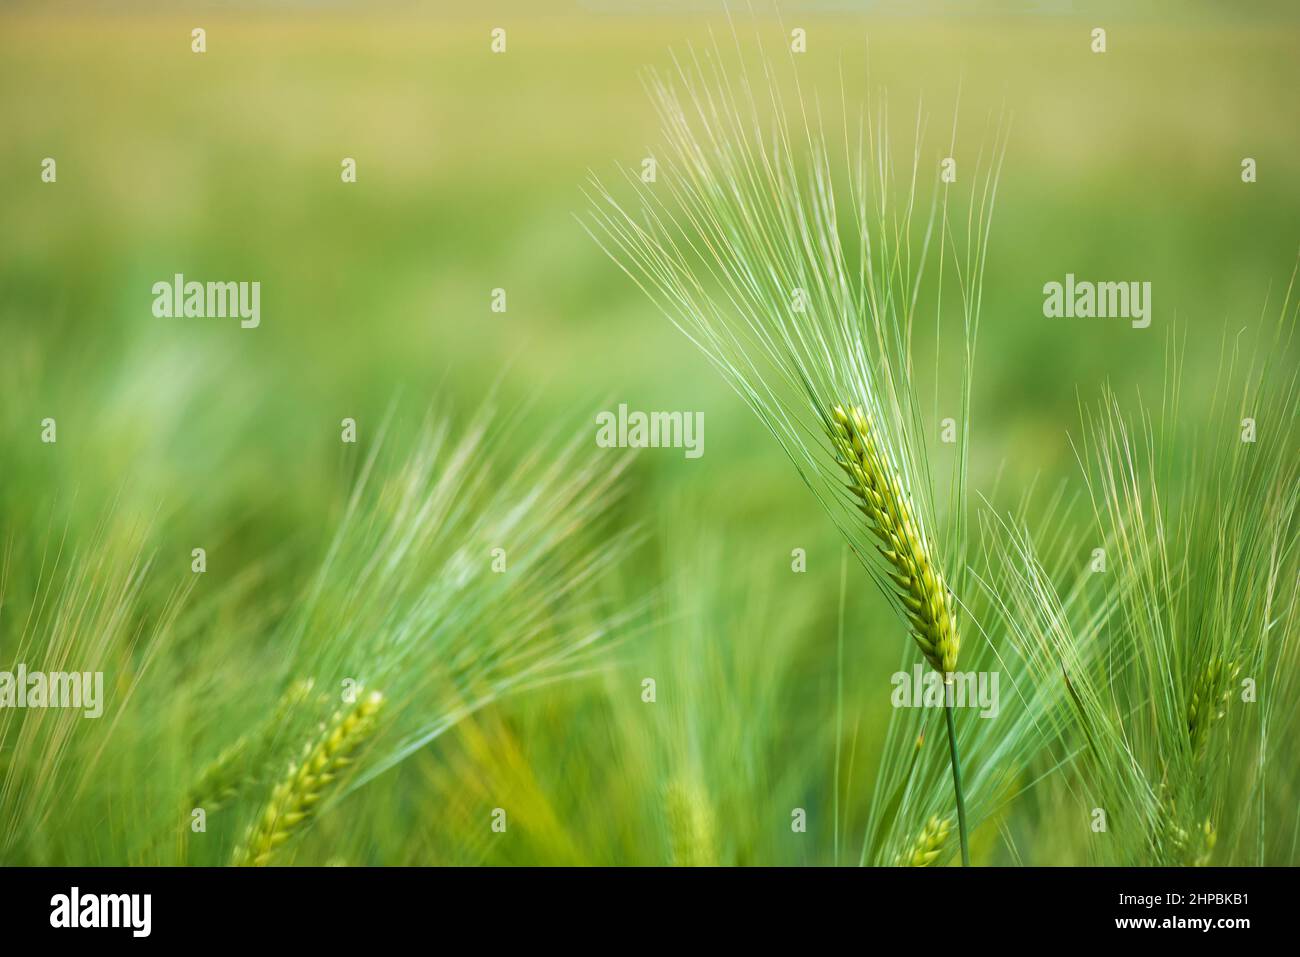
<point x="927" y="847"/>
<point x="690" y="825"/>
<point x="1209" y="700"/>
<point x="295" y="799"/>
<point x="241" y="764"/>
<point x="928" y="603"/>
<point x="1209" y="837"/>
<point x="1193" y="848"/>
<point x="1174" y="844"/>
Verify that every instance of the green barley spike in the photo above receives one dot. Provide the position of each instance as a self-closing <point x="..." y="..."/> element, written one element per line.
<point x="1209" y="700"/>
<point x="920" y="587"/>
<point x="295" y="799"/>
<point x="927" y="847"/>
<point x="239" y="766"/>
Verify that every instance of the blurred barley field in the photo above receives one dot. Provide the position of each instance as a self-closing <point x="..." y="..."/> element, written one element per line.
<point x="376" y="306"/>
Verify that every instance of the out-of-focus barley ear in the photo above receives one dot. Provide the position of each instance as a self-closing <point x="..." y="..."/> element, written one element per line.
<point x="919" y="583"/>
<point x="240" y="766"/>
<point x="297" y="797"/>
<point x="1209" y="837"/>
<point x="1209" y="701"/>
<point x="691" y="827"/>
<point x="1172" y="843"/>
<point x="927" y="847"/>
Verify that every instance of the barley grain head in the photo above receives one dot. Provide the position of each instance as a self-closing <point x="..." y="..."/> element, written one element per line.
<point x="241" y="764"/>
<point x="298" y="795"/>
<point x="1209" y="700"/>
<point x="927" y="847"/>
<point x="919" y="583"/>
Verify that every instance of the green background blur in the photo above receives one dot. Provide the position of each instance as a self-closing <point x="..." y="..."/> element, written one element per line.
<point x="225" y="166"/>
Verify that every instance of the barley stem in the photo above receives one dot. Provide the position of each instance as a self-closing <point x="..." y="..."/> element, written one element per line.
<point x="956" y="783"/>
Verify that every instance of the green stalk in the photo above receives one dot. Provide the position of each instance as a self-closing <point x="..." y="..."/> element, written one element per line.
<point x="956" y="782"/>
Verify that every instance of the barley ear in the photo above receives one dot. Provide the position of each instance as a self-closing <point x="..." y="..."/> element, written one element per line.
<point x="690" y="825"/>
<point x="239" y="765"/>
<point x="295" y="798"/>
<point x="1209" y="700"/>
<point x="1174" y="844"/>
<point x="927" y="847"/>
<point x="919" y="585"/>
